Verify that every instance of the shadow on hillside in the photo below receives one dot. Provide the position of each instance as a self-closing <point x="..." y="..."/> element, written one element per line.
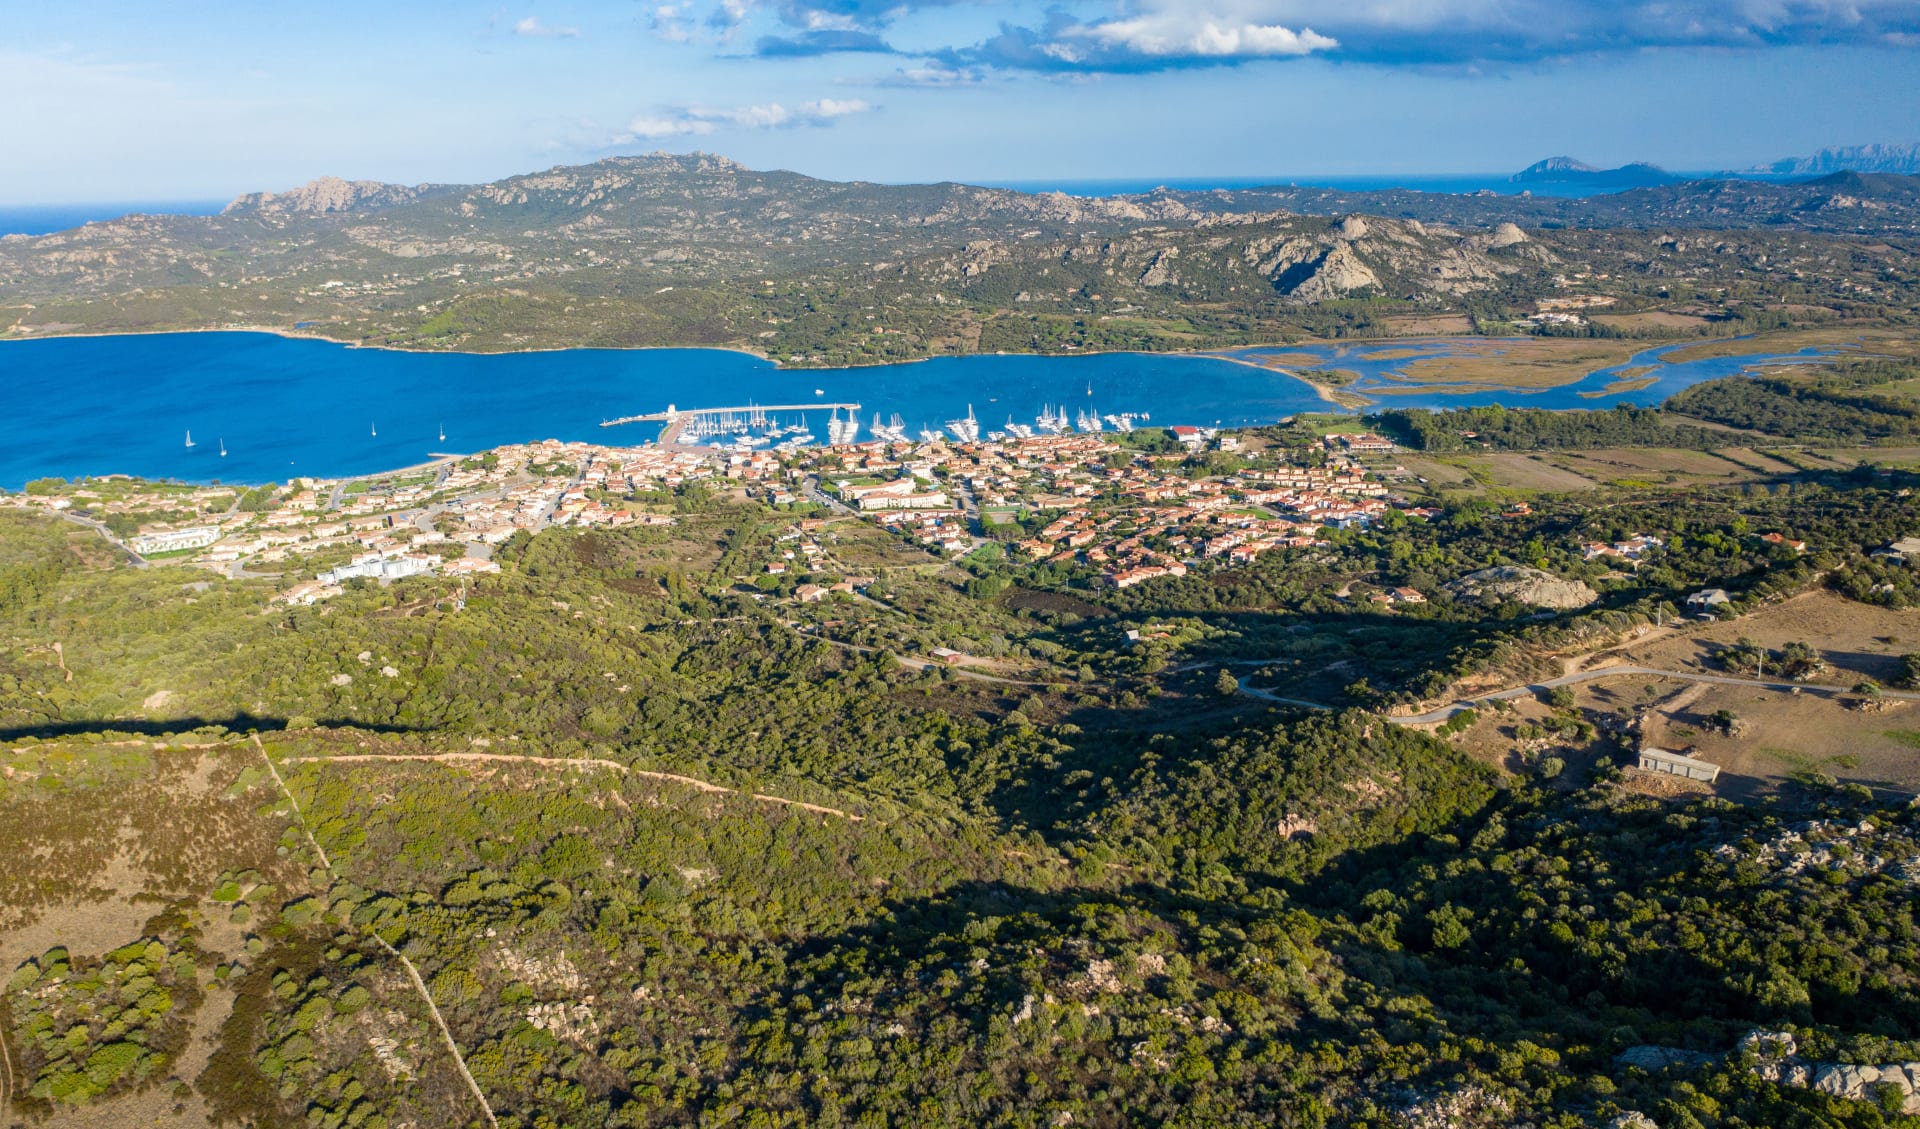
<point x="238" y="723"/>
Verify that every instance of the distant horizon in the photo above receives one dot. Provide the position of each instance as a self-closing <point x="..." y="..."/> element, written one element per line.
<point x="45" y="217"/>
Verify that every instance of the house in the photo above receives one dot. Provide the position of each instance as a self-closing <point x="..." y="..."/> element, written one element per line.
<point x="948" y="655"/>
<point x="309" y="592"/>
<point x="810" y="593"/>
<point x="1902" y="551"/>
<point x="1188" y="436"/>
<point x="1364" y="442"/>
<point x="1707" y="599"/>
<point x="1678" y="764"/>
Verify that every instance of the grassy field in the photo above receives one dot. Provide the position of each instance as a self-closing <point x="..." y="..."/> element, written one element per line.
<point x="1638" y="467"/>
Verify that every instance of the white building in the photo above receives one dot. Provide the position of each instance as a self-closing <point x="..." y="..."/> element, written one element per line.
<point x="174" y="540"/>
<point x="380" y="567"/>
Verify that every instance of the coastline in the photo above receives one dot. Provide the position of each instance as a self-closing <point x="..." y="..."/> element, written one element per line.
<point x="1330" y="395"/>
<point x="290" y="334"/>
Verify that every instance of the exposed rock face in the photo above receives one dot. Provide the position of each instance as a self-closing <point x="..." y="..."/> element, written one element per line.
<point x="1633" y="1119"/>
<point x="1778" y="1061"/>
<point x="1335" y="274"/>
<point x="327" y="194"/>
<point x="1507" y="235"/>
<point x="1508" y="583"/>
<point x="1160" y="271"/>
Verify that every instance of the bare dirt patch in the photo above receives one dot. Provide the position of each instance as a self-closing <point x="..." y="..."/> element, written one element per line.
<point x="1438" y="325"/>
<point x="1650" y="319"/>
<point x="1856" y="640"/>
<point x="1784" y="736"/>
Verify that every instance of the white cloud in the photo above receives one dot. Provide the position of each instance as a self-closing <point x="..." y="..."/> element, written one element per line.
<point x="654" y="128"/>
<point x="834" y="107"/>
<point x="933" y="74"/>
<point x="1148" y="35"/>
<point x="1177" y="31"/>
<point x="670" y="22"/>
<point x="531" y="26"/>
<point x="700" y="121"/>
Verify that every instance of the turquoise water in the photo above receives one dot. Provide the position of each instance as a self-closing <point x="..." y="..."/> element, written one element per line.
<point x="284" y="407"/>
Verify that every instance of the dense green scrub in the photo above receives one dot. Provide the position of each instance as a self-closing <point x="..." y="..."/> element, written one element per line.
<point x="1129" y="896"/>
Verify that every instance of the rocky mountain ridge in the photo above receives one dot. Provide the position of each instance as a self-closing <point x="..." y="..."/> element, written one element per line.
<point x="329" y="194"/>
<point x="1903" y="160"/>
<point x="697" y="249"/>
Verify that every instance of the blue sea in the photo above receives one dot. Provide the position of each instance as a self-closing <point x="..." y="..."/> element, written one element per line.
<point x="284" y="407"/>
<point x="40" y="219"/>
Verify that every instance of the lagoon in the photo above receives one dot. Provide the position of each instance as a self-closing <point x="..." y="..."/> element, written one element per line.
<point x="290" y="406"/>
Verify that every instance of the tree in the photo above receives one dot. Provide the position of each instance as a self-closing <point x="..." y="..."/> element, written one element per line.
<point x="1225" y="684"/>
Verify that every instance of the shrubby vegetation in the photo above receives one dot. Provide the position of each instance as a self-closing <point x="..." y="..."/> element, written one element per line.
<point x="1837" y="405"/>
<point x="1536" y="429"/>
<point x="93" y="1026"/>
<point x="1108" y="889"/>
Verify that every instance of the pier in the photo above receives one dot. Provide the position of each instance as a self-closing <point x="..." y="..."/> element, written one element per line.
<point x="673" y="413"/>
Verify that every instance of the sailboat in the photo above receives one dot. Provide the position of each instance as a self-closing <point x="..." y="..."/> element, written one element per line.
<point x="189" y="438"/>
<point x="965" y="430"/>
<point x="223" y="448"/>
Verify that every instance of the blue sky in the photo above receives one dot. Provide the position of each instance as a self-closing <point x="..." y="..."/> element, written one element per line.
<point x="110" y="101"/>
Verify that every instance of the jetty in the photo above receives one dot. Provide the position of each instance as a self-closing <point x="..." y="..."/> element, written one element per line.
<point x="672" y="413"/>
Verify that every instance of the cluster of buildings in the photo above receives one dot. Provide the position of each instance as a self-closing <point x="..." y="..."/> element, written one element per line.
<point x="1131" y="515"/>
<point x="1631" y="551"/>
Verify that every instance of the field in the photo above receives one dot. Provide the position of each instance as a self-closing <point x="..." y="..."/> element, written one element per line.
<point x="1638" y="467"/>
<point x="1663" y="320"/>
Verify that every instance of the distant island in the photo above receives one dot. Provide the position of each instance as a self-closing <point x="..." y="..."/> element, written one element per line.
<point x="1566" y="170"/>
<point x="1903" y="160"/>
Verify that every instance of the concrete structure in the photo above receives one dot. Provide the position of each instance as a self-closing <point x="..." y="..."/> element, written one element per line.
<point x="174" y="540"/>
<point x="1677" y="764"/>
<point x="380" y="567"/>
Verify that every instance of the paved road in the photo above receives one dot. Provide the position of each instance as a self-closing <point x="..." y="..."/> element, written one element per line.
<point x="810" y="486"/>
<point x="106" y="534"/>
<point x="1270" y="696"/>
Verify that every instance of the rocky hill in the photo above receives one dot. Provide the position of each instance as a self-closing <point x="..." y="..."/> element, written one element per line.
<point x="1513" y="584"/>
<point x="697" y="249"/>
<point x="329" y="194"/>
